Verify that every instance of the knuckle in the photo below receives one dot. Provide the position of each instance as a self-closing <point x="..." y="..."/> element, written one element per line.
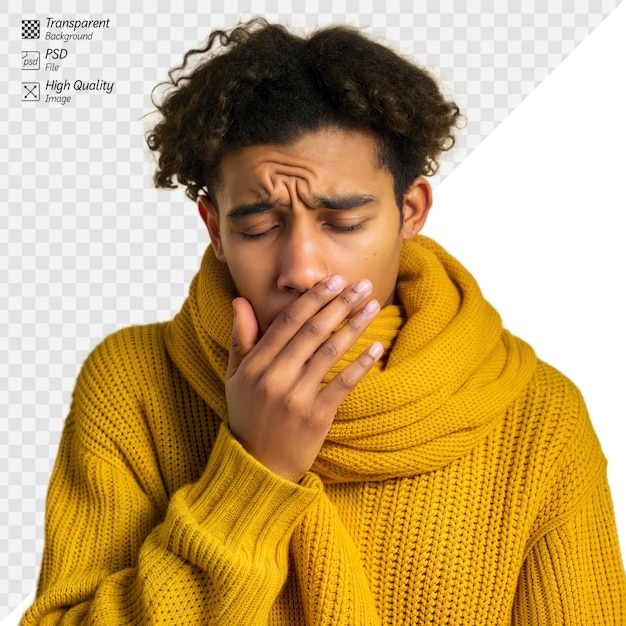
<point x="288" y="318"/>
<point x="319" y="295"/>
<point x="268" y="382"/>
<point x="292" y="403"/>
<point x="312" y="327"/>
<point x="364" y="363"/>
<point x="354" y="323"/>
<point x="235" y="345"/>
<point x="345" y="381"/>
<point x="247" y="374"/>
<point x="347" y="298"/>
<point x="329" y="349"/>
<point x="317" y="421"/>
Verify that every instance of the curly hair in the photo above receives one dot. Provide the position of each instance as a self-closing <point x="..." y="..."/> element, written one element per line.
<point x="267" y="85"/>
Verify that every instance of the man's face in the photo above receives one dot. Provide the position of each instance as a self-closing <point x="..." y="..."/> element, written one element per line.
<point x="289" y="216"/>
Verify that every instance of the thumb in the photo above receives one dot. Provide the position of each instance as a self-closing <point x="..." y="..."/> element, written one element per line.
<point x="244" y="335"/>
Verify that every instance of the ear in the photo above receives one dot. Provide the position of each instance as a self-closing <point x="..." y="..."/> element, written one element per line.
<point x="417" y="201"/>
<point x="210" y="216"/>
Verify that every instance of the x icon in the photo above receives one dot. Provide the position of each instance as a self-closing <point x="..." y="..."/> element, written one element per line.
<point x="31" y="91"/>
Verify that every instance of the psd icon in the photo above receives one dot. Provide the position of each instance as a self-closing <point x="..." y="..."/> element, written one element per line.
<point x="30" y="59"/>
<point x="30" y="29"/>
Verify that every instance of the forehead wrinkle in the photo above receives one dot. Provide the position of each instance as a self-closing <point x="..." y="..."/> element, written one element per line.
<point x="300" y="187"/>
<point x="282" y="184"/>
<point x="276" y="175"/>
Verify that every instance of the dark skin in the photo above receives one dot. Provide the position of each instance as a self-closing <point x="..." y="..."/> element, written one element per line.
<point x="311" y="234"/>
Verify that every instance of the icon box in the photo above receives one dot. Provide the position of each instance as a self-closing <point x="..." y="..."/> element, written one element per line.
<point x="30" y="60"/>
<point x="30" y="92"/>
<point x="30" y="29"/>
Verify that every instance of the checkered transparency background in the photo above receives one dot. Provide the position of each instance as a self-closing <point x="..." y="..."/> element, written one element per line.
<point x="88" y="246"/>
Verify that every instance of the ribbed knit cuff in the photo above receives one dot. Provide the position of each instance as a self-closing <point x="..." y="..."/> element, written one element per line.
<point x="239" y="503"/>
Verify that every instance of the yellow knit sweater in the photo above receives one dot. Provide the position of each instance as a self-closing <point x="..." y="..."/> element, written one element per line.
<point x="461" y="482"/>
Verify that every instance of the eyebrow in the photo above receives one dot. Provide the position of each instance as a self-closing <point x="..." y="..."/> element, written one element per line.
<point x="335" y="203"/>
<point x="243" y="210"/>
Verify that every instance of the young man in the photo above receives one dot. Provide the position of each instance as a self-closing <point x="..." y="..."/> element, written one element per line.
<point x="336" y="428"/>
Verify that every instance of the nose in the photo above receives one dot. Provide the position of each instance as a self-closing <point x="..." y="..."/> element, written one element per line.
<point x="302" y="262"/>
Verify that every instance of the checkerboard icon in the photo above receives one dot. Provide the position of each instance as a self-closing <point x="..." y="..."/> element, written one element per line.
<point x="30" y="29"/>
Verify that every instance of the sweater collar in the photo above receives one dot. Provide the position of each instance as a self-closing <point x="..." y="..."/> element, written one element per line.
<point x="449" y="374"/>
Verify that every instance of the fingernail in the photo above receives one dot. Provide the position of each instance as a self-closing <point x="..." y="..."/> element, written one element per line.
<point x="334" y="283"/>
<point x="376" y="350"/>
<point x="370" y="307"/>
<point x="362" y="286"/>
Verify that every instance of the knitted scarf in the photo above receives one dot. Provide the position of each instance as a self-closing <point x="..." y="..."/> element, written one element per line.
<point x="449" y="373"/>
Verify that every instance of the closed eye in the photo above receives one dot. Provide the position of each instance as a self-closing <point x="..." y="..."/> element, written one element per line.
<point x="346" y="229"/>
<point x="253" y="236"/>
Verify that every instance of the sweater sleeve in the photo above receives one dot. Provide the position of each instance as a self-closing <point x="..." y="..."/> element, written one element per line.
<point x="573" y="575"/>
<point x="219" y="555"/>
<point x="330" y="574"/>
